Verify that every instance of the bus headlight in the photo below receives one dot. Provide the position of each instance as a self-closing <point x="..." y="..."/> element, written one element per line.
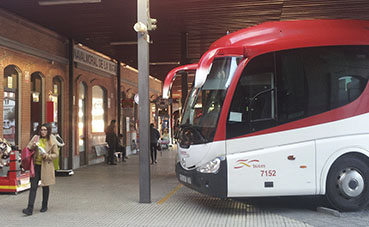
<point x="210" y="167"/>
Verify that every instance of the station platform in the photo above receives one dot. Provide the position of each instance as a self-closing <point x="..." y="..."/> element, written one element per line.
<point x="108" y="195"/>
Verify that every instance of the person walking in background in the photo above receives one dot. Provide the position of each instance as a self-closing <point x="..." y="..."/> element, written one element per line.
<point x="46" y="150"/>
<point x="164" y="143"/>
<point x="122" y="148"/>
<point x="154" y="137"/>
<point x="112" y="140"/>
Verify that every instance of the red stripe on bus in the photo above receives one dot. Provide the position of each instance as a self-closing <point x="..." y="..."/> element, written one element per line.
<point x="355" y="108"/>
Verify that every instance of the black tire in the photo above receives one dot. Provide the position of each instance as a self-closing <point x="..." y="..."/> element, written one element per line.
<point x="347" y="184"/>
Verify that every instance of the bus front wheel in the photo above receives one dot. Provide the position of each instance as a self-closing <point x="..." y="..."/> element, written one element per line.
<point x="347" y="184"/>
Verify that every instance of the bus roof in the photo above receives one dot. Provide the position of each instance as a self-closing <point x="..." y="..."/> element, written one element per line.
<point x="279" y="35"/>
<point x="282" y="35"/>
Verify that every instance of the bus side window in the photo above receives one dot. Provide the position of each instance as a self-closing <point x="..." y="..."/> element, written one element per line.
<point x="315" y="80"/>
<point x="261" y="106"/>
<point x="292" y="87"/>
<point x="309" y="81"/>
<point x="252" y="108"/>
<point x="348" y="89"/>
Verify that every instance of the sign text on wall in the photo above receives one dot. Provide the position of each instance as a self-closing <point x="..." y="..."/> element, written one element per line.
<point x="87" y="58"/>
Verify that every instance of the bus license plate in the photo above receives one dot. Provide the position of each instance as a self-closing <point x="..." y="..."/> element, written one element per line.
<point x="185" y="179"/>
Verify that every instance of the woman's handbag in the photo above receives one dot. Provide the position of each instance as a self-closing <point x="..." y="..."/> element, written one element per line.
<point x="27" y="160"/>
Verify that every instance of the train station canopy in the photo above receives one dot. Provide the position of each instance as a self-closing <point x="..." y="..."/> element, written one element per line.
<point x="185" y="28"/>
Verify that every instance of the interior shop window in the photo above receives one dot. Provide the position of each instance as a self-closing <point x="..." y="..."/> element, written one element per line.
<point x="36" y="101"/>
<point x="82" y="122"/>
<point x="82" y="90"/>
<point x="98" y="109"/>
<point x="10" y="104"/>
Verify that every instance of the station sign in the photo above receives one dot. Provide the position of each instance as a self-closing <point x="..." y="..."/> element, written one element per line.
<point x="90" y="59"/>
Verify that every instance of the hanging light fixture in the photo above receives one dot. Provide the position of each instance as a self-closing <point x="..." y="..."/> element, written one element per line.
<point x="64" y="2"/>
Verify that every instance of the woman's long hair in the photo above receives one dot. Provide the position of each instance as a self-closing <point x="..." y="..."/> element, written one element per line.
<point x="48" y="127"/>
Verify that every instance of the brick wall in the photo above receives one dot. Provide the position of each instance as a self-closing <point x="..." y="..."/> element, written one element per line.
<point x="26" y="65"/>
<point x="30" y="34"/>
<point x="39" y="39"/>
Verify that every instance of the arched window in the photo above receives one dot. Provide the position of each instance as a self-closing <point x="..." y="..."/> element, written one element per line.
<point x="98" y="111"/>
<point x="36" y="101"/>
<point x="10" y="104"/>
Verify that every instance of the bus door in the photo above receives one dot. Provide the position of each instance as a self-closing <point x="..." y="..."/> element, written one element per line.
<point x="262" y="158"/>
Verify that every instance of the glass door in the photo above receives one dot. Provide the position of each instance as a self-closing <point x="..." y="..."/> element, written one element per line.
<point x="56" y="98"/>
<point x="82" y="124"/>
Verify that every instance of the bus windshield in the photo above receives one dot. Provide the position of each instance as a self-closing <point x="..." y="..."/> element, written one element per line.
<point x="203" y="105"/>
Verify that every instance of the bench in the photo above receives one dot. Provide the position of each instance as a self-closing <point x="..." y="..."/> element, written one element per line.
<point x="101" y="149"/>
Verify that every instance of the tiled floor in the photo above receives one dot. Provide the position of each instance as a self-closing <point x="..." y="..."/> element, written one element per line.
<point x="104" y="195"/>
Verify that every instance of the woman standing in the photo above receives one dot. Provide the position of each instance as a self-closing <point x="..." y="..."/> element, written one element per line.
<point x="44" y="145"/>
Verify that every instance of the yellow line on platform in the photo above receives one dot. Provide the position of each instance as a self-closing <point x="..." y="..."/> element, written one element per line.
<point x="169" y="194"/>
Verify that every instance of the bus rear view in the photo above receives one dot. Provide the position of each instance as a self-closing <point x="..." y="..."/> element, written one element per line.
<point x="281" y="109"/>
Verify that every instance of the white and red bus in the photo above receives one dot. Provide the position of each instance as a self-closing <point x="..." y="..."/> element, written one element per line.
<point x="280" y="109"/>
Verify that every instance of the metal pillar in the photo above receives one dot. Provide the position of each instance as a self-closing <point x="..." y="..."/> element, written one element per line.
<point x="71" y="109"/>
<point x="118" y="97"/>
<point x="171" y="126"/>
<point x="184" y="88"/>
<point x="144" y="102"/>
<point x="184" y="48"/>
<point x="184" y="61"/>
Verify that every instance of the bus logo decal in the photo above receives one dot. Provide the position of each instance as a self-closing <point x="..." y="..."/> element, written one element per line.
<point x="245" y="162"/>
